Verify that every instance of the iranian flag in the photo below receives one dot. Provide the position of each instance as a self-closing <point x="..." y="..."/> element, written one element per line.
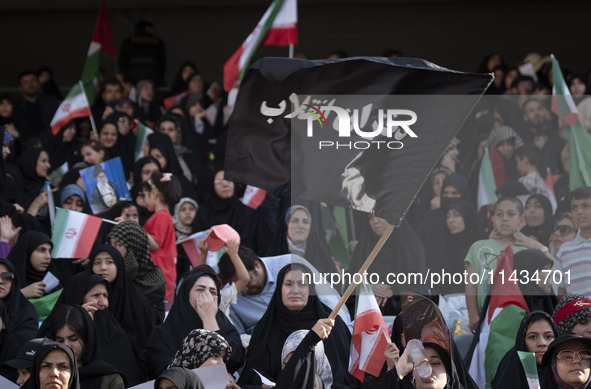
<point x="505" y="307"/>
<point x="277" y="27"/>
<point x="101" y="45"/>
<point x="563" y="104"/>
<point x="75" y="105"/>
<point x="370" y="336"/>
<point x="253" y="196"/>
<point x="191" y="246"/>
<point x="74" y="234"/>
<point x="492" y="175"/>
<point x="141" y="136"/>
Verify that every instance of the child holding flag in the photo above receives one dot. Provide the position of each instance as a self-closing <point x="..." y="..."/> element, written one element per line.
<point x="162" y="191"/>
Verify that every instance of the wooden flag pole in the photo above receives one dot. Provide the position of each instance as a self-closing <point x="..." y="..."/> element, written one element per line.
<point x="362" y="270"/>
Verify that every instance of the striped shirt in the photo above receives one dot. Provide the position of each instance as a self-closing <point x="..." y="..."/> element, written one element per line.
<point x="574" y="256"/>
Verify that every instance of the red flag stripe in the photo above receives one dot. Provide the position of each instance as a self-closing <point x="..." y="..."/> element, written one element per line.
<point x="498" y="166"/>
<point x="88" y="232"/>
<point x="80" y="113"/>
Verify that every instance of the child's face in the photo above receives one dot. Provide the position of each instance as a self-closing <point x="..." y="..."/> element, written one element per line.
<point x="506" y="218"/>
<point x="581" y="209"/>
<point x="583" y="327"/>
<point x="506" y="148"/>
<point x="150" y="199"/>
<point x="522" y="165"/>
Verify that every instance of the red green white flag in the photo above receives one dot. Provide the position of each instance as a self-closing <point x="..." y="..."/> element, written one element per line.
<point x="74" y="234"/>
<point x="563" y="104"/>
<point x="277" y="27"/>
<point x="101" y="44"/>
<point x="141" y="136"/>
<point x="75" y="105"/>
<point x="370" y="336"/>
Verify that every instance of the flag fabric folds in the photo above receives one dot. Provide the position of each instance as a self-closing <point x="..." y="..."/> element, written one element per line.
<point x="370" y="336"/>
<point x="101" y="44"/>
<point x="253" y="196"/>
<point x="504" y="309"/>
<point x="277" y="27"/>
<point x="75" y="105"/>
<point x="74" y="234"/>
<point x="579" y="139"/>
<point x="272" y="99"/>
<point x="142" y="134"/>
<point x="492" y="175"/>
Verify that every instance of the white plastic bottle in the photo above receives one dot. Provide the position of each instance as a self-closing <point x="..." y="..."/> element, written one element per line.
<point x="417" y="353"/>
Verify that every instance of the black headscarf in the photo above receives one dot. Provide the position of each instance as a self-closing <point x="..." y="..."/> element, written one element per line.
<point x="115" y="346"/>
<point x="20" y="256"/>
<point x="543" y="231"/>
<point x="182" y="378"/>
<point x="179" y="85"/>
<point x="270" y="333"/>
<point x="132" y="310"/>
<point x="446" y="250"/>
<point x="22" y="315"/>
<point x="46" y="347"/>
<point x="92" y="366"/>
<point x="168" y="337"/>
<point x="163" y="143"/>
<point x="139" y="165"/>
<point x="231" y="211"/>
<point x="32" y="183"/>
<point x="8" y="344"/>
<point x="510" y="372"/>
<point x="531" y="261"/>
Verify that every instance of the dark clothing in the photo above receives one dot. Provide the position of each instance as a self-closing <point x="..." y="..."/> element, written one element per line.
<point x="33" y="119"/>
<point x="300" y="370"/>
<point x="48" y="346"/>
<point x="143" y="56"/>
<point x="167" y="338"/>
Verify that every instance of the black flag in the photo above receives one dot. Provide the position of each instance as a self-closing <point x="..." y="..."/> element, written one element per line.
<point x="359" y="132"/>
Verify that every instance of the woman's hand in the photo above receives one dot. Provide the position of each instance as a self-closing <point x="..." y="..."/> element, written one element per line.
<point x="392" y="355"/>
<point x="91" y="309"/>
<point x="7" y="231"/>
<point x="207" y="309"/>
<point x="35" y="290"/>
<point x="405" y="364"/>
<point x="382" y="293"/>
<point x="323" y="328"/>
<point x="232" y="247"/>
<point x="473" y="322"/>
<point x="526" y="241"/>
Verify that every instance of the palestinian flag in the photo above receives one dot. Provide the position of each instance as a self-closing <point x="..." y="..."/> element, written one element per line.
<point x="492" y="175"/>
<point x="370" y="336"/>
<point x="528" y="362"/>
<point x="74" y="234"/>
<point x="500" y="318"/>
<point x="277" y="27"/>
<point x="563" y="104"/>
<point x="75" y="105"/>
<point x="101" y="45"/>
<point x="253" y="196"/>
<point x="575" y="132"/>
<point x="142" y="134"/>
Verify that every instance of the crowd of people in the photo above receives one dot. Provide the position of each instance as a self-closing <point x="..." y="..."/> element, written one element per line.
<point x="140" y="307"/>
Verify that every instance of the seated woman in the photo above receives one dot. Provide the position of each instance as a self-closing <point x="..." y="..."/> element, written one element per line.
<point x="294" y="306"/>
<point x="21" y="314"/>
<point x="203" y="348"/>
<point x="567" y="363"/>
<point x="31" y="257"/>
<point x="132" y="310"/>
<point x="536" y="332"/>
<point x="91" y="291"/>
<point x="72" y="197"/>
<point x="565" y="229"/>
<point x="54" y="365"/>
<point x="196" y="306"/>
<point x="304" y="363"/>
<point x="538" y="218"/>
<point x="223" y="207"/>
<point x="178" y="377"/>
<point x="73" y="326"/>
<point x="422" y="320"/>
<point x="8" y="345"/>
<point x="131" y="240"/>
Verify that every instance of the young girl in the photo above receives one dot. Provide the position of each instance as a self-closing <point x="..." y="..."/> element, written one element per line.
<point x="484" y="254"/>
<point x="162" y="191"/>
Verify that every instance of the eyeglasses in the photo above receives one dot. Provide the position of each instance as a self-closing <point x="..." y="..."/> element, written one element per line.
<point x="569" y="355"/>
<point x="563" y="229"/>
<point x="7" y="276"/>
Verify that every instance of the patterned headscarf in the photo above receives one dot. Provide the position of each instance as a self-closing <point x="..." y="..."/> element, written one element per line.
<point x="323" y="369"/>
<point x="570" y="310"/>
<point x="198" y="347"/>
<point x="503" y="133"/>
<point x="138" y="260"/>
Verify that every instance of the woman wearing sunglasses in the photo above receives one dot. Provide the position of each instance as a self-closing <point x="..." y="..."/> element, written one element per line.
<point x="567" y="363"/>
<point x="565" y="229"/>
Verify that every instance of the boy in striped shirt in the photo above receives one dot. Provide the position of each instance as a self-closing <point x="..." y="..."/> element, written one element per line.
<point x="574" y="257"/>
